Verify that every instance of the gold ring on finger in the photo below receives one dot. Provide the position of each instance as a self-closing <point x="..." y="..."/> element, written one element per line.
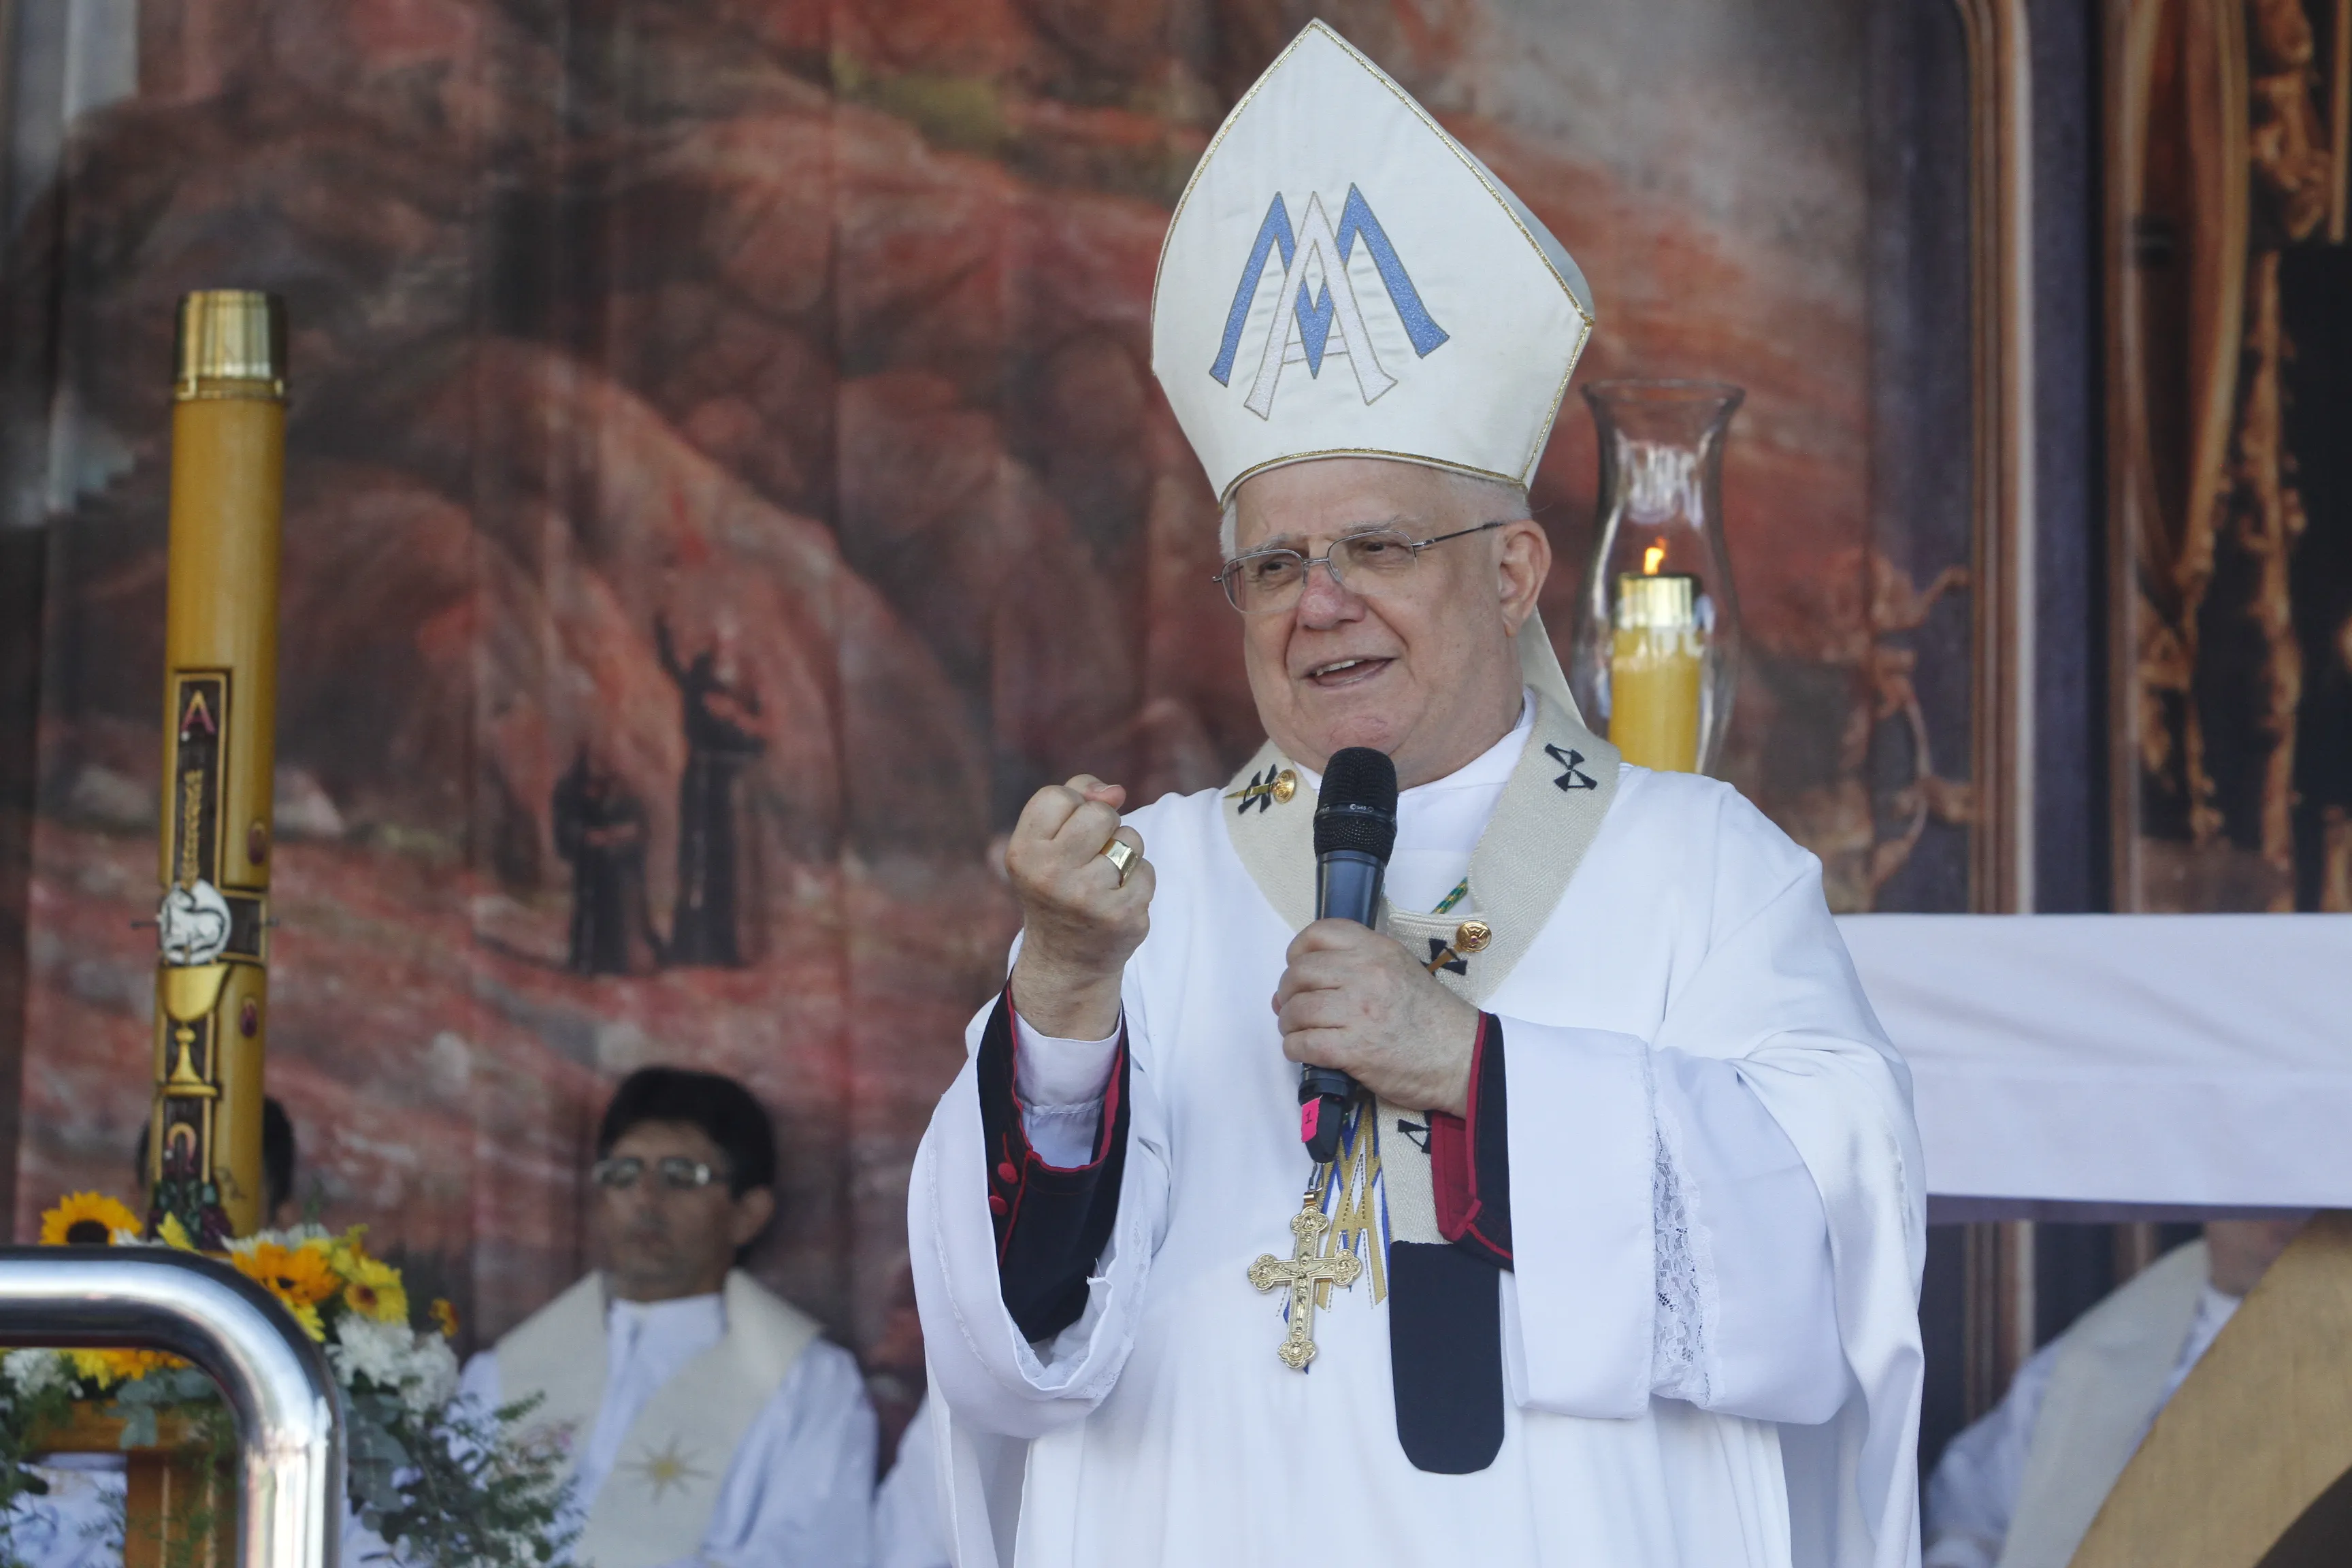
<point x="1122" y="856"/>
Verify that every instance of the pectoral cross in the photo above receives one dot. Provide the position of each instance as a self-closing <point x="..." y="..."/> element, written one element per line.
<point x="1304" y="1272"/>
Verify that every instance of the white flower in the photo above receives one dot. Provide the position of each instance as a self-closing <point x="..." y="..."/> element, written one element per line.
<point x="35" y="1370"/>
<point x="366" y="1348"/>
<point x="432" y="1375"/>
<point x="421" y="1367"/>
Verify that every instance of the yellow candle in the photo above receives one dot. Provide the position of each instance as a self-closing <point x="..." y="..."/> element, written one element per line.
<point x="220" y="650"/>
<point x="1653" y="671"/>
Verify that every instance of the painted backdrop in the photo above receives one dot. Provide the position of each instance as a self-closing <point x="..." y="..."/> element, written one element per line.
<point x="725" y="479"/>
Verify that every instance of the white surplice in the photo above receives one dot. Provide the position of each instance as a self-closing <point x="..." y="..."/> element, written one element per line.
<point x="1710" y="1336"/>
<point x="797" y="1492"/>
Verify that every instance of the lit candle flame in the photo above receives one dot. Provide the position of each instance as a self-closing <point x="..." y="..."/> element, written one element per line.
<point x="1652" y="559"/>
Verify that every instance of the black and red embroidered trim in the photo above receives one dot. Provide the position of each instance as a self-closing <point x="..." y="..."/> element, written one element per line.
<point x="1051" y="1221"/>
<point x="1470" y="1156"/>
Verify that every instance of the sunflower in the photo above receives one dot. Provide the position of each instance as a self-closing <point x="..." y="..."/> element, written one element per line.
<point x="175" y="1235"/>
<point x="445" y="1317"/>
<point x="347" y="1250"/>
<point x="375" y="1290"/>
<point x="86" y="1220"/>
<point x="299" y="1277"/>
<point x="107" y="1368"/>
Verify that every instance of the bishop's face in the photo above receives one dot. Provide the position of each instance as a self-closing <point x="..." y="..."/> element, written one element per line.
<point x="1425" y="667"/>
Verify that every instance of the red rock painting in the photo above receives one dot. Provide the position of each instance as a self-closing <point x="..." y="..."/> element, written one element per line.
<point x="817" y="332"/>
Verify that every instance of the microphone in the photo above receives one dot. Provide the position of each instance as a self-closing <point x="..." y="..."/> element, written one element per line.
<point x="1355" y="829"/>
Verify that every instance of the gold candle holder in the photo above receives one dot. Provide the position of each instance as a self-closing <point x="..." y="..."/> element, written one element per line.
<point x="1657" y="657"/>
<point x="220" y="642"/>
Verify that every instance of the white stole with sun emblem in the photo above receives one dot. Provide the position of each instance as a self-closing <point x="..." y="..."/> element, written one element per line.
<point x="655" y="1505"/>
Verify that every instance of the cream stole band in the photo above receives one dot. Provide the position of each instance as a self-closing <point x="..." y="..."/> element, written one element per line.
<point x="2105" y="1384"/>
<point x="655" y="1505"/>
<point x="1550" y="813"/>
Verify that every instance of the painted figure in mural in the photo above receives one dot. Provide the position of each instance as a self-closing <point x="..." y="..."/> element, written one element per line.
<point x="1615" y="1255"/>
<point x="716" y="837"/>
<point x="600" y="827"/>
<point x="2020" y="1487"/>
<point x="706" y="1419"/>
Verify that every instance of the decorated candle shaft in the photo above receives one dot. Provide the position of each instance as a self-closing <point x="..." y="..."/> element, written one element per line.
<point x="220" y="684"/>
<point x="1654" y="666"/>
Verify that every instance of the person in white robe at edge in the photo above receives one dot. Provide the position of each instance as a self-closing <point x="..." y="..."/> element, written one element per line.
<point x="1638" y="1211"/>
<point x="908" y="1531"/>
<point x="2020" y="1487"/>
<point x="707" y="1422"/>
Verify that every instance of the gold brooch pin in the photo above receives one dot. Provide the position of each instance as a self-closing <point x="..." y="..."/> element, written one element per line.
<point x="1264" y="792"/>
<point x="1469" y="937"/>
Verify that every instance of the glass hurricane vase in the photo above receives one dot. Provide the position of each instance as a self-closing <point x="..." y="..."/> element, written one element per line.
<point x="1656" y="654"/>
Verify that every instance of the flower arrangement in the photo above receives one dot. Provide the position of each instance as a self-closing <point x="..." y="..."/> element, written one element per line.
<point x="443" y="1481"/>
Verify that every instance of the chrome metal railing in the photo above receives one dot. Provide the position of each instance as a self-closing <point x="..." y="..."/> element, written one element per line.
<point x="278" y="1383"/>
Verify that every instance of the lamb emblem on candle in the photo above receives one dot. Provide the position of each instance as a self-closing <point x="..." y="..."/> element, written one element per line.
<point x="193" y="925"/>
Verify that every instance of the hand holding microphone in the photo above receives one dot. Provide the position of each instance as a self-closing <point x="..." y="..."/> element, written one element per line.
<point x="1355" y="1007"/>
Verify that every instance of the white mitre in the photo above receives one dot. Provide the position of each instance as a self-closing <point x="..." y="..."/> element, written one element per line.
<point x="1343" y="279"/>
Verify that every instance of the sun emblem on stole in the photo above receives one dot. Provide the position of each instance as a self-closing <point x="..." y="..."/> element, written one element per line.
<point x="665" y="1469"/>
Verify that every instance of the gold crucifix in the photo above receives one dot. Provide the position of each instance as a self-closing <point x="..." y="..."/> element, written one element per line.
<point x="1304" y="1272"/>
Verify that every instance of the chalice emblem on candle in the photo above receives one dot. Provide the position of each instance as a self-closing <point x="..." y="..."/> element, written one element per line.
<point x="191" y="928"/>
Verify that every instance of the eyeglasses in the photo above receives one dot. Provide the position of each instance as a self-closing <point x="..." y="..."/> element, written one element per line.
<point x="1374" y="561"/>
<point x="677" y="1174"/>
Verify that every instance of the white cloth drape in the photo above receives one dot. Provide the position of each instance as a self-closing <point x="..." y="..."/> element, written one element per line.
<point x="2174" y="1059"/>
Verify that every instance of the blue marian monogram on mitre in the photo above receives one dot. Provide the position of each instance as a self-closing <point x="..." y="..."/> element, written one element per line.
<point x="1324" y="317"/>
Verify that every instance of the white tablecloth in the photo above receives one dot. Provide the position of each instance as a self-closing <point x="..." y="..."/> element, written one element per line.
<point x="2110" y="1059"/>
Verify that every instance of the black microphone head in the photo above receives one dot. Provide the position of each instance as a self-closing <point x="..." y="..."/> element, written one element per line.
<point x="1357" y="809"/>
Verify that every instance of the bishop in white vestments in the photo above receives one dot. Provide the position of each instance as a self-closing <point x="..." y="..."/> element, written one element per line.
<point x="1616" y="1260"/>
<point x="707" y="1422"/>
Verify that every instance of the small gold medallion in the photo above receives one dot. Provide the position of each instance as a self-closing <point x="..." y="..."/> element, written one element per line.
<point x="1472" y="936"/>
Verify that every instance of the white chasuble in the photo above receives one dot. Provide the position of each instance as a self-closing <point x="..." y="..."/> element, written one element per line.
<point x="656" y="1503"/>
<point x="1647" y="932"/>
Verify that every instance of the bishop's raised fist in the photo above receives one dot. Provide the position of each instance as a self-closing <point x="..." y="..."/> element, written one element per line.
<point x="1080" y="917"/>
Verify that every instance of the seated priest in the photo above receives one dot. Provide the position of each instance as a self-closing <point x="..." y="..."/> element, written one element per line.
<point x="2020" y="1487"/>
<point x="706" y="1420"/>
<point x="1615" y="1256"/>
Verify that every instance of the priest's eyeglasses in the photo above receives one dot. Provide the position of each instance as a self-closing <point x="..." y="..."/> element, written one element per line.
<point x="1371" y="562"/>
<point x="677" y="1174"/>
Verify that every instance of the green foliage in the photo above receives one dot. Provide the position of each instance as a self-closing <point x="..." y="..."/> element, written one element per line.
<point x="458" y="1486"/>
<point x="449" y="1486"/>
<point x="26" y="1413"/>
